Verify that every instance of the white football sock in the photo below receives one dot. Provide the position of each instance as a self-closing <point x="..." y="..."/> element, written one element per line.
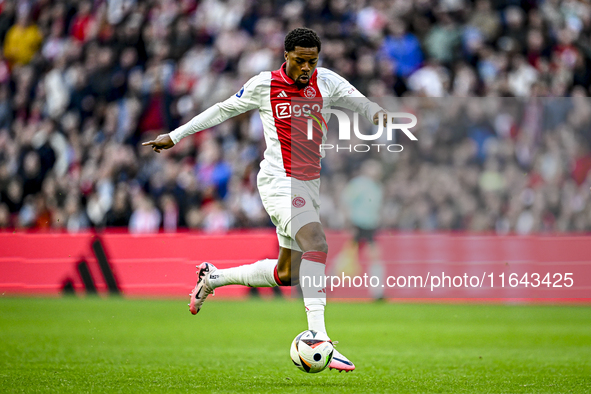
<point x="312" y="281"/>
<point x="259" y="274"/>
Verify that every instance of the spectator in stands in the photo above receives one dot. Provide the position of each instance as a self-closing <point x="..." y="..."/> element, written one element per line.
<point x="120" y="213"/>
<point x="22" y="40"/>
<point x="211" y="170"/>
<point x="5" y="220"/>
<point x="76" y="217"/>
<point x="403" y="48"/>
<point x="145" y="217"/>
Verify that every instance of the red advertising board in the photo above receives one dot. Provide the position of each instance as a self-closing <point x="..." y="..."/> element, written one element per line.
<point x="424" y="266"/>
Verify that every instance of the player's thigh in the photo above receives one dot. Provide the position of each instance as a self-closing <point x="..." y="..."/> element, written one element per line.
<point x="305" y="214"/>
<point x="291" y="204"/>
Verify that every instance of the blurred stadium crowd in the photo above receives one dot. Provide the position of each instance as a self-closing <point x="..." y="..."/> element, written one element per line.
<point x="83" y="83"/>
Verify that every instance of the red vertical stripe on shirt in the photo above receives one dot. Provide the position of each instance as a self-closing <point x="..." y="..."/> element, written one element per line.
<point x="301" y="157"/>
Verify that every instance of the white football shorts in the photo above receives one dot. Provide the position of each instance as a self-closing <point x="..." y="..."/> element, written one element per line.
<point x="291" y="204"/>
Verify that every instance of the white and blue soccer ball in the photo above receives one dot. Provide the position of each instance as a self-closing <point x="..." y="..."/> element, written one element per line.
<point x="311" y="351"/>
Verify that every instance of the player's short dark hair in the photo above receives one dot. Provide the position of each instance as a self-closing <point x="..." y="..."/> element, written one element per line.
<point x="301" y="37"/>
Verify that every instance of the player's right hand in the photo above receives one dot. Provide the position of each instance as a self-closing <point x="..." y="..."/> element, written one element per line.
<point x="163" y="141"/>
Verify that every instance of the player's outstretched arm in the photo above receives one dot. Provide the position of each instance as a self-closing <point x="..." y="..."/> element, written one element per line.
<point x="246" y="99"/>
<point x="163" y="141"/>
<point x="348" y="97"/>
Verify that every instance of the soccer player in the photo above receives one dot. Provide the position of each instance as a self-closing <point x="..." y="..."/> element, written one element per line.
<point x="362" y="199"/>
<point x="289" y="179"/>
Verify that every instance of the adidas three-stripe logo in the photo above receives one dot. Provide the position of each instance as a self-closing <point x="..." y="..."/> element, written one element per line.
<point x="282" y="94"/>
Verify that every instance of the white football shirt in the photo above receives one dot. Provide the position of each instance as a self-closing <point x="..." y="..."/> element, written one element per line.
<point x="289" y="152"/>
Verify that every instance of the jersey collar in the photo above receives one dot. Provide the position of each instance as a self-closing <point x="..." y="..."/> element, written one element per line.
<point x="288" y="79"/>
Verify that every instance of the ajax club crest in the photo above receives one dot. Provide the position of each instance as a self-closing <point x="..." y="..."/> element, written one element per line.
<point x="298" y="202"/>
<point x="310" y="92"/>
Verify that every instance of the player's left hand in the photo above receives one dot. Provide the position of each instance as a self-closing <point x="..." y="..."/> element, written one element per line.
<point x="163" y="141"/>
<point x="376" y="117"/>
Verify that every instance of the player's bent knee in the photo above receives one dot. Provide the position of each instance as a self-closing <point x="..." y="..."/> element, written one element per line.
<point x="317" y="244"/>
<point x="314" y="242"/>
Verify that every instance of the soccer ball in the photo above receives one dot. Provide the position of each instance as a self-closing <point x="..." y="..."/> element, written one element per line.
<point x="311" y="351"/>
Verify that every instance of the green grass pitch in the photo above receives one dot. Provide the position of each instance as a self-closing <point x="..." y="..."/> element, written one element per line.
<point x="120" y="345"/>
